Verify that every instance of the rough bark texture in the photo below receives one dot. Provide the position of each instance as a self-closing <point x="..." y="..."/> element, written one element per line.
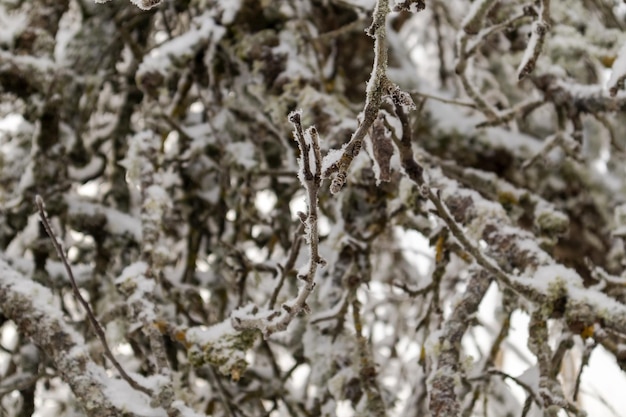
<point x="309" y="208"/>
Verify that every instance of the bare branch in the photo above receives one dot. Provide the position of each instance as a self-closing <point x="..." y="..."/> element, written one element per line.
<point x="90" y="315"/>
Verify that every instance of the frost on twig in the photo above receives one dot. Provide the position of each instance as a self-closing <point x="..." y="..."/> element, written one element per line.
<point x="184" y="237"/>
<point x="373" y="100"/>
<point x="309" y="174"/>
<point x="538" y="33"/>
<point x="514" y="257"/>
<point x="378" y="87"/>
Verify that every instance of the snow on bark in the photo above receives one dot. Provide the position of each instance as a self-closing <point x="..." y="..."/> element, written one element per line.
<point x="540" y="279"/>
<point x="156" y="65"/>
<point x="31" y="306"/>
<point x="447" y="372"/>
<point x="161" y="141"/>
<point x="533" y="49"/>
<point x="222" y="346"/>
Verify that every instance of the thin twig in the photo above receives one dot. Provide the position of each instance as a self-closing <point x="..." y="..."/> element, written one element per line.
<point x="445" y="100"/>
<point x="375" y="87"/>
<point x="508" y="115"/>
<point x="415" y="173"/>
<point x="413" y="293"/>
<point x="367" y="369"/>
<point x="560" y="139"/>
<point x="483" y="34"/>
<point x="220" y="391"/>
<point x="291" y="261"/>
<point x="91" y="316"/>
<point x="532" y="394"/>
<point x="310" y="163"/>
<point x="538" y="34"/>
<point x="583" y="363"/>
<point x="347" y="28"/>
<point x="611" y="131"/>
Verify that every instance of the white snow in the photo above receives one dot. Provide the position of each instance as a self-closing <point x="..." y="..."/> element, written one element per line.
<point x="11" y="123"/>
<point x="146" y="4"/>
<point x="332" y="157"/>
<point x="229" y="10"/>
<point x="11" y="25"/>
<point x="243" y="153"/>
<point x="132" y="271"/>
<point x="618" y="71"/>
<point x="530" y="377"/>
<point x="478" y="7"/>
<point x="40" y="296"/>
<point x="529" y="53"/>
<point x="205" y="335"/>
<point x="451" y="118"/>
<point x="88" y="171"/>
<point x="157" y="195"/>
<point x="181" y="47"/>
<point x="265" y="200"/>
<point x="43" y="65"/>
<point x="117" y="222"/>
<point x="135" y="161"/>
<point x="123" y="396"/>
<point x="606" y="307"/>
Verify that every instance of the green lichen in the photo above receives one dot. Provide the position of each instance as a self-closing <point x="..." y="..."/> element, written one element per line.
<point x="226" y="352"/>
<point x="507" y="199"/>
<point x="552" y="223"/>
<point x="557" y="297"/>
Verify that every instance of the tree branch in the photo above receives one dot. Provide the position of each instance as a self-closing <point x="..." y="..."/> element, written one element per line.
<point x="31" y="307"/>
<point x="90" y="315"/>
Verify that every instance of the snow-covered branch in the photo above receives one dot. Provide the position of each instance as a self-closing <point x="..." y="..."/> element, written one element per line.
<point x="160" y="141"/>
<point x="538" y="33"/>
<point x="309" y="173"/>
<point x="376" y="88"/>
<point x="32" y="308"/>
<point x="446" y="373"/>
